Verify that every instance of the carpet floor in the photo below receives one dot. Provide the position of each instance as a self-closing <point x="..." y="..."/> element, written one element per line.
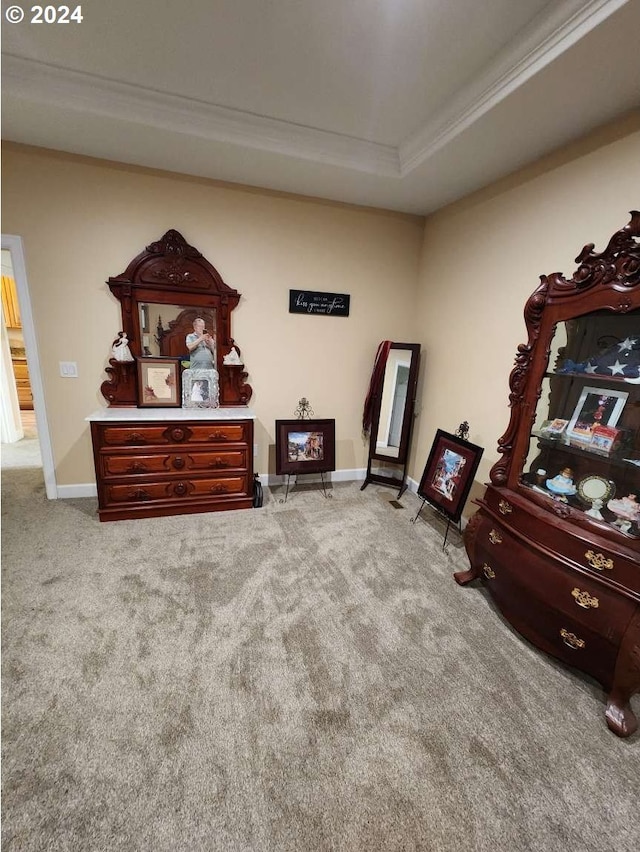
<point x="306" y="676"/>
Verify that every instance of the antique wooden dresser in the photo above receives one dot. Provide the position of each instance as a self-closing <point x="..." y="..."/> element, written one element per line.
<point x="172" y="461"/>
<point x="150" y="458"/>
<point x="557" y="537"/>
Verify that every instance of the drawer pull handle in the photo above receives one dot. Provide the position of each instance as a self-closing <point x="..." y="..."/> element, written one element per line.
<point x="505" y="508"/>
<point x="135" y="438"/>
<point x="488" y="572"/>
<point x="495" y="537"/>
<point x="180" y="489"/>
<point x="178" y="462"/>
<point x="139" y="494"/>
<point x="178" y="434"/>
<point x="571" y="639"/>
<point x="585" y="600"/>
<point x="598" y="561"/>
<point x="218" y="462"/>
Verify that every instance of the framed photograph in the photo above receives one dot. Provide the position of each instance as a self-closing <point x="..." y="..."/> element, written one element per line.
<point x="596" y="407"/>
<point x="554" y="428"/>
<point x="200" y="389"/>
<point x="449" y="472"/>
<point x="159" y="382"/>
<point x="305" y="446"/>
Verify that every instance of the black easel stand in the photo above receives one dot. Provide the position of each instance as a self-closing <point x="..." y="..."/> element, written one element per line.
<point x="324" y="487"/>
<point x="401" y="484"/>
<point x="458" y="525"/>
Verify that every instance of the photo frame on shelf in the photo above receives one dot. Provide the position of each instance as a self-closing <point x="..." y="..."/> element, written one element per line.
<point x="596" y="406"/>
<point x="305" y="446"/>
<point x="554" y="428"/>
<point x="159" y="382"/>
<point x="200" y="389"/>
<point x="449" y="473"/>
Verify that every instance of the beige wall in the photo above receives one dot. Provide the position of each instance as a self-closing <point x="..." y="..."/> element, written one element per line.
<point x="83" y="220"/>
<point x="482" y="259"/>
<point x="457" y="284"/>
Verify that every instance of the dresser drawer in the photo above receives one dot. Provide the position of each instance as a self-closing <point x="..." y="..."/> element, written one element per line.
<point x="145" y="491"/>
<point x="143" y="464"/>
<point x="558" y="634"/>
<point x="136" y="435"/>
<point x="584" y="600"/>
<point x="619" y="562"/>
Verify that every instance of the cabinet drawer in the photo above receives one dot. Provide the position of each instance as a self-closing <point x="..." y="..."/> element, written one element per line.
<point x="136" y="435"/>
<point x="601" y="557"/>
<point x="558" y="634"/>
<point x="582" y="599"/>
<point x="143" y="464"/>
<point x="146" y="491"/>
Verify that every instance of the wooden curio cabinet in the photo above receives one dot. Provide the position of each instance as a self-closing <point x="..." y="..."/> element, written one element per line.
<point x="556" y="539"/>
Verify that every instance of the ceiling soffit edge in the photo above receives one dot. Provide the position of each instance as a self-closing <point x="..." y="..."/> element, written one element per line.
<point x="39" y="82"/>
<point x="543" y="41"/>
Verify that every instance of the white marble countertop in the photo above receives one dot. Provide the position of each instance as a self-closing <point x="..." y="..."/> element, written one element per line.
<point x="138" y="415"/>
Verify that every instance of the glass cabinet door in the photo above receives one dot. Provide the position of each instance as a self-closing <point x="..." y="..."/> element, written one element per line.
<point x="584" y="447"/>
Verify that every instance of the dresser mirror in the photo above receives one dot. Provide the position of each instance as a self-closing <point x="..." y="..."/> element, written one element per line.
<point x="161" y="292"/>
<point x="392" y="414"/>
<point x="162" y="328"/>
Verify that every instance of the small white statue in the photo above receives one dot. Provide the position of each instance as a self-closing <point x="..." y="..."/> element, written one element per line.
<point x="120" y="348"/>
<point x="233" y="357"/>
<point x="594" y="511"/>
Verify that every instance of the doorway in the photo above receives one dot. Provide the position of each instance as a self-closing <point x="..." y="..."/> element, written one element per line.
<point x="25" y="430"/>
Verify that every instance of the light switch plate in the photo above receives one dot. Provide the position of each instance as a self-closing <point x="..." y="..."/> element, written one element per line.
<point x="69" y="369"/>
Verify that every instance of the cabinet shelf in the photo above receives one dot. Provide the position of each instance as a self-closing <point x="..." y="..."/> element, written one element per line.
<point x="572" y="449"/>
<point x="596" y="377"/>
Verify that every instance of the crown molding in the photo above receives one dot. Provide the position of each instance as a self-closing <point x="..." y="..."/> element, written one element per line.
<point x="558" y="27"/>
<point x="39" y="82"/>
<point x="547" y="37"/>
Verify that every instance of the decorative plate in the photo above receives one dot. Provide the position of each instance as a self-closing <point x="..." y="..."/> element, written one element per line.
<point x="594" y="487"/>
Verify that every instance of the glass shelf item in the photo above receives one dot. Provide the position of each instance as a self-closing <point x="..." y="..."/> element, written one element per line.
<point x="584" y="443"/>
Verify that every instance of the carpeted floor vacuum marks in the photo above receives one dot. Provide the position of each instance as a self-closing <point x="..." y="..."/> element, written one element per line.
<point x="304" y="676"/>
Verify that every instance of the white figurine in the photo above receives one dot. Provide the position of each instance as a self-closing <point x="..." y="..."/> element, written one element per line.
<point x="233" y="357"/>
<point x="594" y="511"/>
<point x="120" y="348"/>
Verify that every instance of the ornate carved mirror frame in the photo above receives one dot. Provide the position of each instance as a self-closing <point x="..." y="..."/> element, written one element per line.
<point x="174" y="277"/>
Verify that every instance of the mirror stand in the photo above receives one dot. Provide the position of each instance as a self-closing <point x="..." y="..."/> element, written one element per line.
<point x="392" y="396"/>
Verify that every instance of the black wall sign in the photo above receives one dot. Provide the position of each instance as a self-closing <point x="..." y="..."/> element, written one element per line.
<point x="310" y="302"/>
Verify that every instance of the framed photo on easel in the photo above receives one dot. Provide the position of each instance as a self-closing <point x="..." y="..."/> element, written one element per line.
<point x="305" y="446"/>
<point x="449" y="473"/>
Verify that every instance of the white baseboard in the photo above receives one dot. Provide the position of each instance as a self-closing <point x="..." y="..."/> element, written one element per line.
<point x="271" y="479"/>
<point x="68" y="492"/>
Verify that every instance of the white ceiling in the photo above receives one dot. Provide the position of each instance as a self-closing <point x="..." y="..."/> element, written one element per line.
<point x="402" y="104"/>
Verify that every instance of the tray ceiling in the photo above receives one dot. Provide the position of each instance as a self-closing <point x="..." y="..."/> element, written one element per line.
<point x="401" y="104"/>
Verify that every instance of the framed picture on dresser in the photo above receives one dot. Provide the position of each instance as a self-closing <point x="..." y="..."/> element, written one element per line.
<point x="159" y="382"/>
